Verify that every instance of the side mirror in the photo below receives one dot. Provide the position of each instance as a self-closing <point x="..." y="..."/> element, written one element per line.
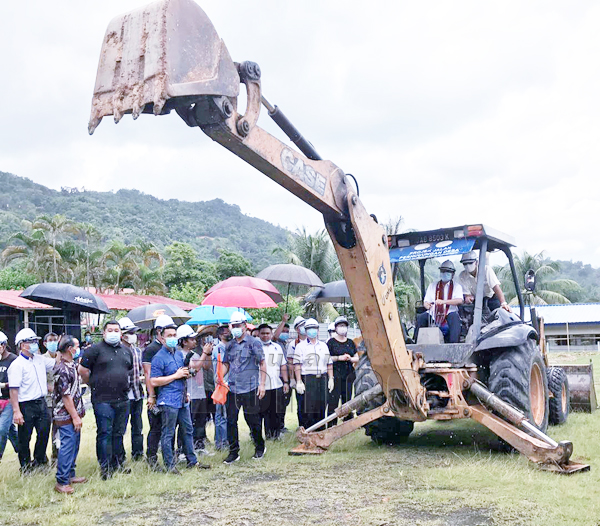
<point x="530" y="280"/>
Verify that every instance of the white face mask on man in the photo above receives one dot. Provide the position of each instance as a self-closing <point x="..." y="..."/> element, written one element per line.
<point x="131" y="339"/>
<point x="342" y="330"/>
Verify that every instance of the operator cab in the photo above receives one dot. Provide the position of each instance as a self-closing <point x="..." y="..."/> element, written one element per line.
<point x="442" y="244"/>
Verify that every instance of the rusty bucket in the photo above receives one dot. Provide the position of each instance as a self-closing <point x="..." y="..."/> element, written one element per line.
<point x="157" y="54"/>
<point x="581" y="387"/>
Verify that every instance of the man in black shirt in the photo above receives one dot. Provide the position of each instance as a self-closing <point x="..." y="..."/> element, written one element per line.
<point x="108" y="368"/>
<point x="7" y="429"/>
<point x="343" y="354"/>
<point x="154" y="420"/>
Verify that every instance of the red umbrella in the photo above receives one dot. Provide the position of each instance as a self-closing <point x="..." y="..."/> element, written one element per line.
<point x="249" y="282"/>
<point x="239" y="297"/>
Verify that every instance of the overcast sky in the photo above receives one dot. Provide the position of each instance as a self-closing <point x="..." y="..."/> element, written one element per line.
<point x="447" y="112"/>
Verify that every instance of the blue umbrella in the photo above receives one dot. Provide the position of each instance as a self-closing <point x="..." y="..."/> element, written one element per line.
<point x="210" y="315"/>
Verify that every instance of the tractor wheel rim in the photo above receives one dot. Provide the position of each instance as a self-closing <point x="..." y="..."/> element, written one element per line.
<point x="563" y="398"/>
<point x="536" y="395"/>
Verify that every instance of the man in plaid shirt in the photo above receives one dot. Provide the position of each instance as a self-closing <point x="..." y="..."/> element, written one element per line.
<point x="136" y="393"/>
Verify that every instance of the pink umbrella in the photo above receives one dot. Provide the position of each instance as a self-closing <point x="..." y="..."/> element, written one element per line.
<point x="249" y="282"/>
<point x="239" y="297"/>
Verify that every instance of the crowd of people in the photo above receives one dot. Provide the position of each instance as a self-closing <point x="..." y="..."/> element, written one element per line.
<point x="183" y="379"/>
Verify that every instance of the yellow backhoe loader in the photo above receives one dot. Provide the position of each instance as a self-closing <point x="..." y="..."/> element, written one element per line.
<point x="167" y="56"/>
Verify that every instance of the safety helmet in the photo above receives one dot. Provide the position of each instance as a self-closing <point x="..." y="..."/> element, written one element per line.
<point x="468" y="257"/>
<point x="331" y="327"/>
<point x="24" y="335"/>
<point x="3" y="338"/>
<point x="127" y="325"/>
<point x="311" y="323"/>
<point x="164" y="321"/>
<point x="446" y="266"/>
<point x="299" y="321"/>
<point x="339" y="320"/>
<point x="185" y="331"/>
<point x="237" y="317"/>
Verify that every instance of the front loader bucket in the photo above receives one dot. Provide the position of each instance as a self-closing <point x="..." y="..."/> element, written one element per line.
<point x="164" y="51"/>
<point x="581" y="387"/>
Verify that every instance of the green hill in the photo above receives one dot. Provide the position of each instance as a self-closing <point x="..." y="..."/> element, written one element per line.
<point x="130" y="215"/>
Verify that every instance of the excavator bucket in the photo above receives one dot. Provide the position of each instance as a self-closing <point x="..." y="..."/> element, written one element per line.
<point x="581" y="387"/>
<point x="158" y="56"/>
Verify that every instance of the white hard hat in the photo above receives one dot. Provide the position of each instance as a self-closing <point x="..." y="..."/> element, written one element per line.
<point x="184" y="331"/>
<point x="299" y="321"/>
<point x="341" y="319"/>
<point x="127" y="325"/>
<point x="237" y="317"/>
<point x="331" y="327"/>
<point x="25" y="334"/>
<point x="311" y="323"/>
<point x="163" y="321"/>
<point x="3" y="338"/>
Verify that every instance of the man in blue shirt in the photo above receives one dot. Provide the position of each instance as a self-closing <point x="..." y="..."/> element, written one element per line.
<point x="244" y="361"/>
<point x="168" y="373"/>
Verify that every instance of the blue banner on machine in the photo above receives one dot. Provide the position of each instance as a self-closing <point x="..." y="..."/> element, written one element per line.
<point x="441" y="249"/>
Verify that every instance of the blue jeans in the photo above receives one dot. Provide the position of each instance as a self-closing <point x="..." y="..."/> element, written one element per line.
<point x="111" y="423"/>
<point x="67" y="454"/>
<point x="7" y="430"/>
<point x="171" y="417"/>
<point x="220" y="426"/>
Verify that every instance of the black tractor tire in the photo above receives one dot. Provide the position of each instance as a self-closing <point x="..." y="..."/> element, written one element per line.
<point x="560" y="402"/>
<point x="518" y="376"/>
<point x="385" y="430"/>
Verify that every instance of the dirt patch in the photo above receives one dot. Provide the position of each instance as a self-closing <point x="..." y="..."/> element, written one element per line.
<point x="464" y="516"/>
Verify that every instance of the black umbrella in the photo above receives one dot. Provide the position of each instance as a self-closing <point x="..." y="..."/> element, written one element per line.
<point x="145" y="315"/>
<point x="334" y="292"/>
<point x="292" y="275"/>
<point x="66" y="296"/>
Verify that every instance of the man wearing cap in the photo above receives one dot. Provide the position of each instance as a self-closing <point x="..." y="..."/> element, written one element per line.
<point x="493" y="297"/>
<point x="107" y="367"/>
<point x="313" y="368"/>
<point x="344" y="356"/>
<point x="136" y="393"/>
<point x="441" y="301"/>
<point x="291" y="350"/>
<point x="272" y="406"/>
<point x="27" y="380"/>
<point x="244" y="360"/>
<point x="154" y="420"/>
<point x="7" y="428"/>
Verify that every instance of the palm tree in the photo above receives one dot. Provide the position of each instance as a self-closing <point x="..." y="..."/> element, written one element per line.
<point x="148" y="281"/>
<point x="120" y="263"/>
<point x="91" y="236"/>
<point x="55" y="228"/>
<point x="547" y="290"/>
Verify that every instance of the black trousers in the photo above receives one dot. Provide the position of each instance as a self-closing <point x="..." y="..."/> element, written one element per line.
<point x="315" y="398"/>
<point x="272" y="406"/>
<point x="135" y="420"/>
<point x="199" y="411"/>
<point x="249" y="401"/>
<point x="342" y="390"/>
<point x="153" y="440"/>
<point x="35" y="416"/>
<point x="286" y="401"/>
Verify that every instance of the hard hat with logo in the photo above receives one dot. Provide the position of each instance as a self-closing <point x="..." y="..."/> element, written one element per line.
<point x="127" y="325"/>
<point x="237" y="317"/>
<point x="3" y="338"/>
<point x="185" y="331"/>
<point x="164" y="322"/>
<point x="25" y="335"/>
<point x="469" y="257"/>
<point x="299" y="321"/>
<point x="311" y="323"/>
<point x="447" y="266"/>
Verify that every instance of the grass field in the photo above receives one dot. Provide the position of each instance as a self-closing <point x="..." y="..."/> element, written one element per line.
<point x="448" y="474"/>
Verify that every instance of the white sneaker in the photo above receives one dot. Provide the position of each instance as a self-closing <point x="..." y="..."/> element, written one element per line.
<point x="204" y="452"/>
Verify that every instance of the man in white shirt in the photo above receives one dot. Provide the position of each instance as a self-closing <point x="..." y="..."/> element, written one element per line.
<point x="313" y="368"/>
<point x="493" y="297"/>
<point x="441" y="301"/>
<point x="272" y="406"/>
<point x="27" y="380"/>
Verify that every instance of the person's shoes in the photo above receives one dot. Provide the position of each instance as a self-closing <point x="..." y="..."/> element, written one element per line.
<point x="174" y="471"/>
<point x="78" y="480"/>
<point x="198" y="465"/>
<point x="181" y="458"/>
<point x="231" y="458"/>
<point x="64" y="489"/>
<point x="105" y="475"/>
<point x="204" y="452"/>
<point x="259" y="455"/>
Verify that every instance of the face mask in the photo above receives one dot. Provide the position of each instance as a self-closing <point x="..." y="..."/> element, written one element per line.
<point x="88" y="339"/>
<point x="112" y="338"/>
<point x="236" y="332"/>
<point x="469" y="267"/>
<point x="284" y="336"/>
<point x="52" y="347"/>
<point x="171" y="343"/>
<point x="34" y="348"/>
<point x="131" y="339"/>
<point x="312" y="333"/>
<point x="446" y="276"/>
<point x="77" y="353"/>
<point x="302" y="331"/>
<point x="342" y="330"/>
